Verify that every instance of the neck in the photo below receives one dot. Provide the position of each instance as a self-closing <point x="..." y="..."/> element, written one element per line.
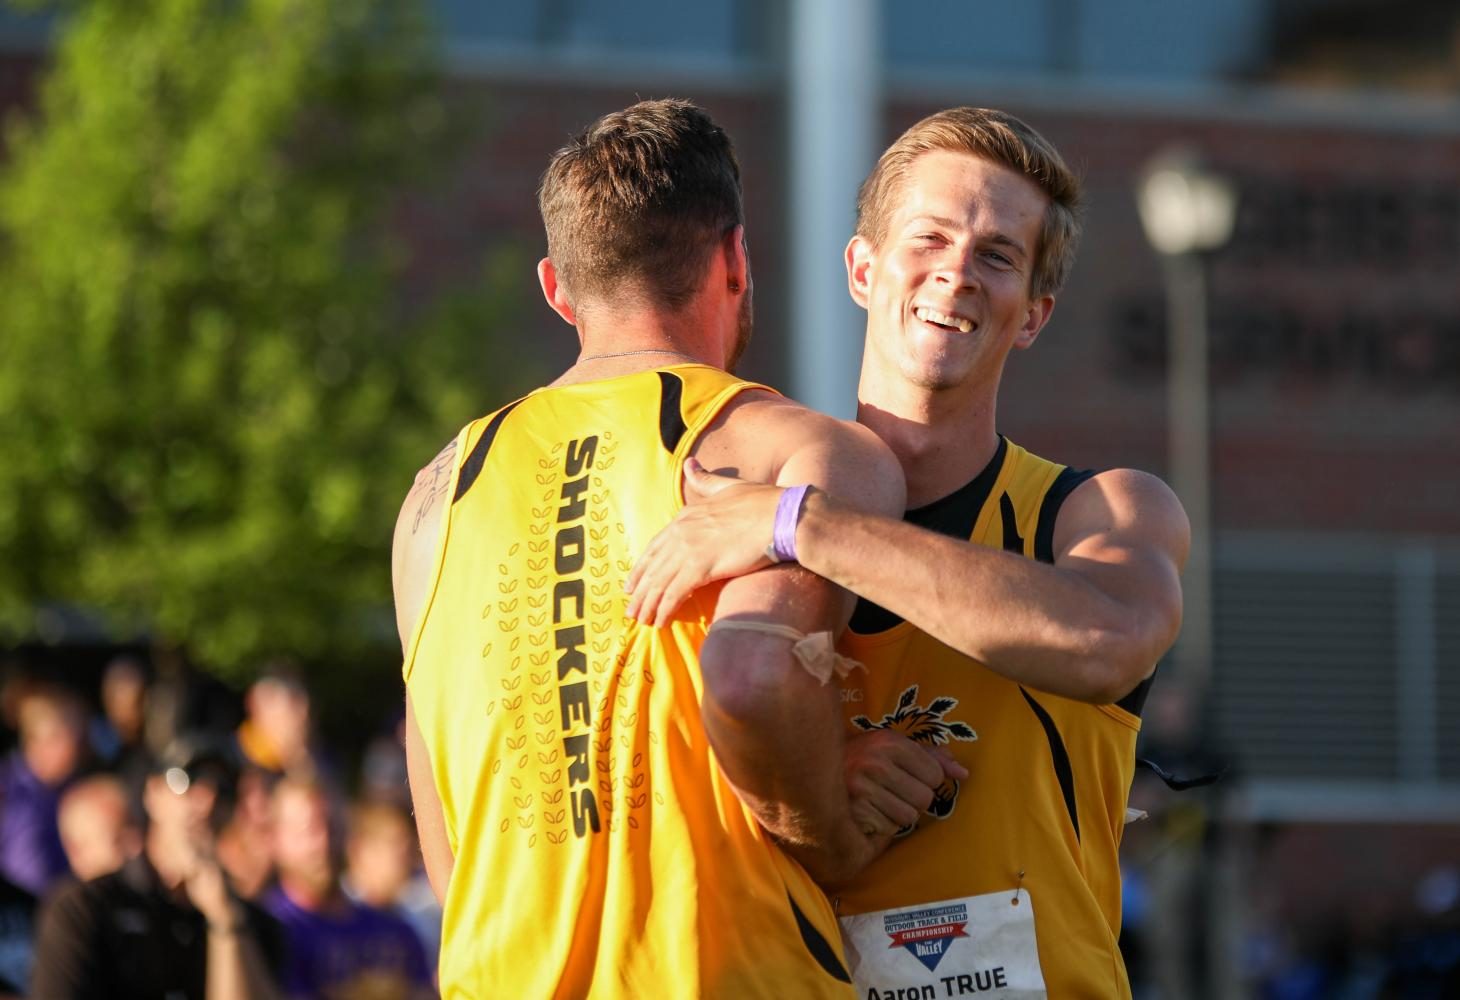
<point x="620" y="344"/>
<point x="309" y="893"/>
<point x="942" y="438"/>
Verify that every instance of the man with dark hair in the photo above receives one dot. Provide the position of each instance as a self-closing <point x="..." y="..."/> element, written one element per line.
<point x="1015" y="615"/>
<point x="166" y="924"/>
<point x="120" y="733"/>
<point x="604" y="809"/>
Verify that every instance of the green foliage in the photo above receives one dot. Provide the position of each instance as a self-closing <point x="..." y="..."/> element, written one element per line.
<point x="214" y="387"/>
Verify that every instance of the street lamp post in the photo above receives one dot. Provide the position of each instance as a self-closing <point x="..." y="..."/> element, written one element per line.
<point x="835" y="105"/>
<point x="1187" y="211"/>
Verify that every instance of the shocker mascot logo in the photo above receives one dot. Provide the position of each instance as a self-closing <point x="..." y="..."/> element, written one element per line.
<point x="928" y="727"/>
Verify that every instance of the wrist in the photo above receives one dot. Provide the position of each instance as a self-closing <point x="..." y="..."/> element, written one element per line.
<point x="811" y="527"/>
<point x="789" y="506"/>
<point x="229" y="923"/>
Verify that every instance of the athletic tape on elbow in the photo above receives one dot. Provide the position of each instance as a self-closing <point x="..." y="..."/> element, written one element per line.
<point x="815" y="652"/>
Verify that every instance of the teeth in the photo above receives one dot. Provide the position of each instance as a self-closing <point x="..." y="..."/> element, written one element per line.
<point x="942" y="319"/>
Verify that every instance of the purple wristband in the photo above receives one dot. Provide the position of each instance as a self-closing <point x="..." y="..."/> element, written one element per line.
<point x="788" y="515"/>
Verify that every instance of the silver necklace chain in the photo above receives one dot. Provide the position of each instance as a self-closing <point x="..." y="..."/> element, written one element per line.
<point x="627" y="354"/>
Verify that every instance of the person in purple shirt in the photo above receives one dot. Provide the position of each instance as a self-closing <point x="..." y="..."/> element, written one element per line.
<point x="32" y="778"/>
<point x="335" y="947"/>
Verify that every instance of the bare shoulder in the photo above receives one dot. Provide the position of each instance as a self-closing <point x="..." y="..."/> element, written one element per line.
<point x="1133" y="505"/>
<point x="417" y="528"/>
<point x="769" y="438"/>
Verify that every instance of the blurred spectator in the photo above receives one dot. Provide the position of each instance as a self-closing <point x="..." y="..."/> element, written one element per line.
<point x="119" y="735"/>
<point x="98" y="829"/>
<point x="245" y="844"/>
<point x="166" y="924"/>
<point x="383" y="870"/>
<point x="274" y="734"/>
<point x="336" y="947"/>
<point x="50" y="755"/>
<point x="17" y="939"/>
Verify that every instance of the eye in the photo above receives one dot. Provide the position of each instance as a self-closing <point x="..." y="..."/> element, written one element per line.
<point x="998" y="258"/>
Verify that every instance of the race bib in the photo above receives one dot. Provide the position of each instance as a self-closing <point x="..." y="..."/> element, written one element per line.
<point x="981" y="946"/>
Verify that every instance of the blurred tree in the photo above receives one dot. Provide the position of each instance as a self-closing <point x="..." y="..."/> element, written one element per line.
<point x="214" y="385"/>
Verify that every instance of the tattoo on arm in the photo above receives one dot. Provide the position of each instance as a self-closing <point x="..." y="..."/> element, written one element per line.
<point x="432" y="483"/>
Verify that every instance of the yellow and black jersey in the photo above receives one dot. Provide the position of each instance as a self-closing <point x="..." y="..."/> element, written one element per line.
<point x="1038" y="822"/>
<point x="599" y="850"/>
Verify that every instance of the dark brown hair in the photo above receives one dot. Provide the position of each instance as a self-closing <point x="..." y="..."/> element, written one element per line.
<point x="638" y="201"/>
<point x="1002" y="139"/>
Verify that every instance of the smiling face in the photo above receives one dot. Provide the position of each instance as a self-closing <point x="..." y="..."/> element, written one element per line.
<point x="947" y="292"/>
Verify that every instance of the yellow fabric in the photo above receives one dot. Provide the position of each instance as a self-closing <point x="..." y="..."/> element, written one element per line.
<point x="599" y="850"/>
<point x="257" y="747"/>
<point x="1009" y="827"/>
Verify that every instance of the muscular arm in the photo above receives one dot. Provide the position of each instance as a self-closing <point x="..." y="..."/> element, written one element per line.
<point x="1090" y="626"/>
<point x="413" y="554"/>
<point x="776" y="729"/>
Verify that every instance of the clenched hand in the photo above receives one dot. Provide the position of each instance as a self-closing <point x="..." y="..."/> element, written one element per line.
<point x="891" y="779"/>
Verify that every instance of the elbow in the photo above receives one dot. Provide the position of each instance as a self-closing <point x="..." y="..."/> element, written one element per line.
<point x="741" y="690"/>
<point x="1134" y="643"/>
<point x="1108" y="684"/>
<point x="742" y="696"/>
<point x="1117" y="664"/>
<point x="755" y="681"/>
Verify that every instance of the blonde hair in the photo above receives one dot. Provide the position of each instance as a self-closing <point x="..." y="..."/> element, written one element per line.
<point x="1005" y="140"/>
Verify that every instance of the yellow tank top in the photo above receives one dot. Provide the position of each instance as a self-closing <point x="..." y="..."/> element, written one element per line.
<point x="599" y="850"/>
<point x="1037" y="823"/>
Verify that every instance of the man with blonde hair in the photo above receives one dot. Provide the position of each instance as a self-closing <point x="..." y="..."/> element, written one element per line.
<point x="609" y="810"/>
<point x="1015" y="614"/>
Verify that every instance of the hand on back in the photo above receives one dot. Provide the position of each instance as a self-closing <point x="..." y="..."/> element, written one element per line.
<point x="722" y="532"/>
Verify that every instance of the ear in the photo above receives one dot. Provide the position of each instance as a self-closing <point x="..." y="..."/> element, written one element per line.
<point x="554" y="292"/>
<point x="1040" y="310"/>
<point x="737" y="260"/>
<point x="859" y="256"/>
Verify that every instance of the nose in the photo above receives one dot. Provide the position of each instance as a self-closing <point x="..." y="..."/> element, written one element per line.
<point x="957" y="270"/>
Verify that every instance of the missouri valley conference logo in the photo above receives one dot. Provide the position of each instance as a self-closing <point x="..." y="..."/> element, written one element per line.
<point x="927" y="934"/>
<point x="928" y="727"/>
